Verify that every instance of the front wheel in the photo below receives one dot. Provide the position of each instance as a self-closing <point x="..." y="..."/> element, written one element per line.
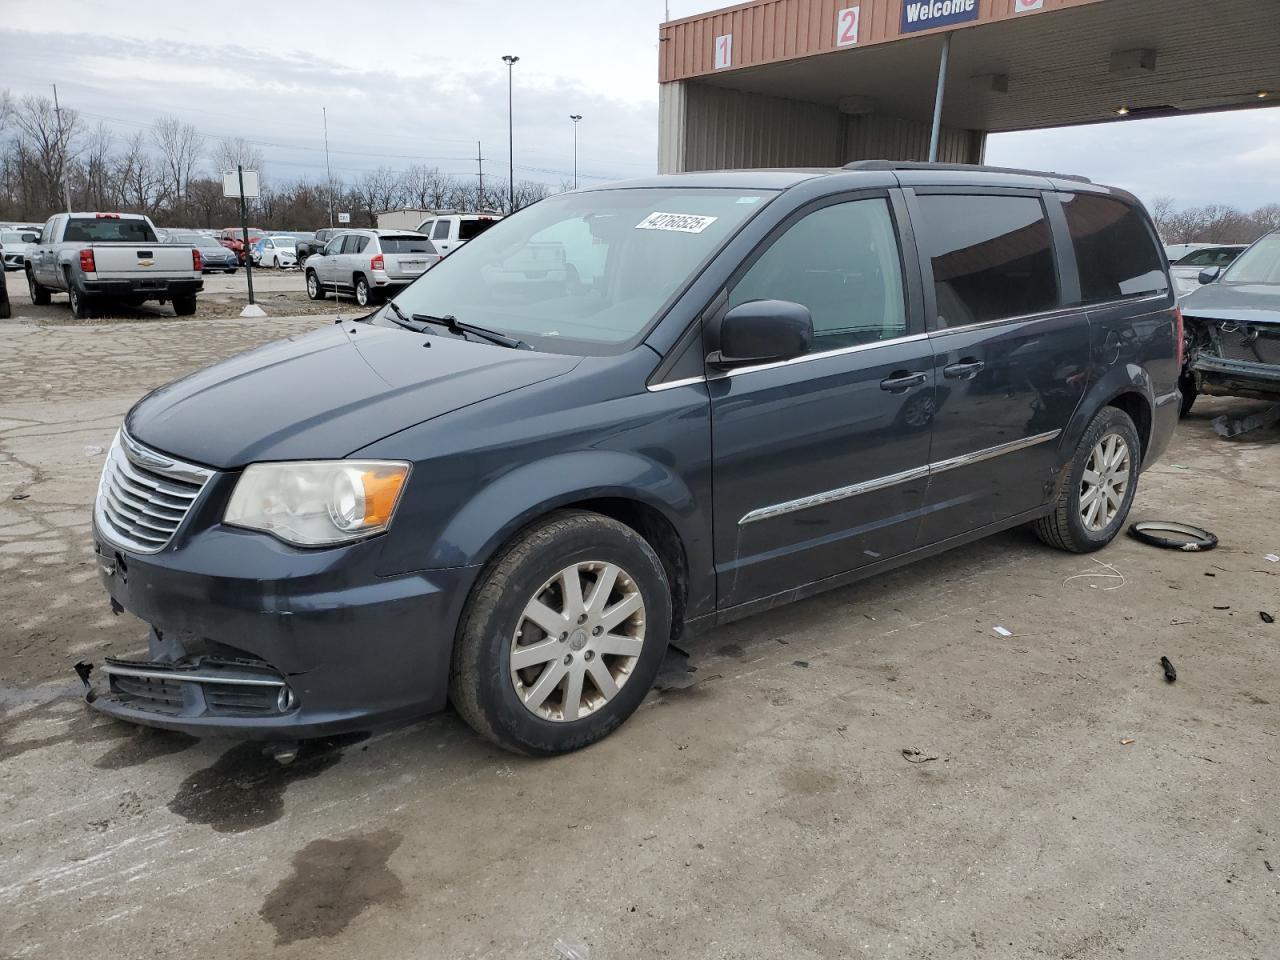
<point x="39" y="294"/>
<point x="314" y="290"/>
<point x="562" y="636"/>
<point x="1187" y="384"/>
<point x="79" y="302"/>
<point x="1096" y="497"/>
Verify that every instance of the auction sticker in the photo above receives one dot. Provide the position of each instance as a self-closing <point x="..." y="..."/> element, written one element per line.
<point x="679" y="222"/>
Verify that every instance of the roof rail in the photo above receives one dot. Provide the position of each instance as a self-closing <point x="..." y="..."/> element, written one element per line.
<point x="957" y="167"/>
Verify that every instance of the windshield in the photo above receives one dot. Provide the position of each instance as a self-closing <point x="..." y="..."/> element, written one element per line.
<point x="583" y="272"/>
<point x="406" y="244"/>
<point x="1259" y="264"/>
<point x="1212" y="257"/>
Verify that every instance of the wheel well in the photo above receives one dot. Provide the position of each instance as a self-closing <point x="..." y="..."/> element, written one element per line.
<point x="1135" y="405"/>
<point x="661" y="535"/>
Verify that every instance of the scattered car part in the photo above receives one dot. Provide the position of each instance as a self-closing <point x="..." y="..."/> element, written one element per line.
<point x="1173" y="536"/>
<point x="1230" y="427"/>
<point x="1266" y="617"/>
<point x="1170" y="674"/>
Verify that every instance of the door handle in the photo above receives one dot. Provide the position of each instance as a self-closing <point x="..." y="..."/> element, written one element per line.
<point x="966" y="369"/>
<point x="901" y="380"/>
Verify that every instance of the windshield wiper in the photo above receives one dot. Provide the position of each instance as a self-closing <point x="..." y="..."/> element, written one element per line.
<point x="454" y="325"/>
<point x="400" y="320"/>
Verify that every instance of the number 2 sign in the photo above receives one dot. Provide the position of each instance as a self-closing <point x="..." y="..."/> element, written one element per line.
<point x="847" y="27"/>
<point x="724" y="51"/>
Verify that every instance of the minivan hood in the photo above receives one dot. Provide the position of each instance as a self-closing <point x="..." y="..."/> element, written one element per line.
<point x="1241" y="302"/>
<point x="327" y="394"/>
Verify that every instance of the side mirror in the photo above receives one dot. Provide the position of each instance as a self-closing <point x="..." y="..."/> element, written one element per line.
<point x="763" y="331"/>
<point x="30" y="238"/>
<point x="1210" y="274"/>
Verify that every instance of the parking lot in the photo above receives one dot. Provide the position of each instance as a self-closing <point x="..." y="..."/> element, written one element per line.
<point x="871" y="773"/>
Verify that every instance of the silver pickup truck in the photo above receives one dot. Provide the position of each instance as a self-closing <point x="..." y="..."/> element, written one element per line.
<point x="93" y="257"/>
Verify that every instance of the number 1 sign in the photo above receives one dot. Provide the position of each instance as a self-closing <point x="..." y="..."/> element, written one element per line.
<point x="847" y="27"/>
<point x="724" y="51"/>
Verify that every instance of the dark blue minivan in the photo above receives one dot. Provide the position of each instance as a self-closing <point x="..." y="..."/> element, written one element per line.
<point x="622" y="415"/>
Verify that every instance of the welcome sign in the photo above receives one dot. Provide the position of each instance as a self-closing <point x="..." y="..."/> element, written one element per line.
<point x="927" y="14"/>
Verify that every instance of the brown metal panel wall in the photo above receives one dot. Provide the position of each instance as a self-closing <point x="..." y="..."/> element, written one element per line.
<point x="728" y="129"/>
<point x="875" y="137"/>
<point x="767" y="31"/>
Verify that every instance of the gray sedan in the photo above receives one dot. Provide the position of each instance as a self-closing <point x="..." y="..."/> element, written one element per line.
<point x="213" y="255"/>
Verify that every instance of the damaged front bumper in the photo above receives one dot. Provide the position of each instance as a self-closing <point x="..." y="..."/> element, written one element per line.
<point x="253" y="639"/>
<point x="1220" y="376"/>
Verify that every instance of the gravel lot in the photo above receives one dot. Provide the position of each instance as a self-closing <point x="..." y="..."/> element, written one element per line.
<point x="1065" y="801"/>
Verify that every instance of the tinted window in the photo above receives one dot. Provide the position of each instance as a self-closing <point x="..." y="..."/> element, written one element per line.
<point x="992" y="257"/>
<point x="841" y="262"/>
<point x="425" y="226"/>
<point x="1116" y="253"/>
<point x="108" y="230"/>
<point x="406" y="244"/>
<point x="1213" y="257"/>
<point x="354" y="243"/>
<point x="441" y="232"/>
<point x="334" y="247"/>
<point x="469" y="229"/>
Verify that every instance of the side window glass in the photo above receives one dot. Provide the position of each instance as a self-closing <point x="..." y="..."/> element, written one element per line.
<point x="46" y="232"/>
<point x="1115" y="251"/>
<point x="333" y="247"/>
<point x="355" y="243"/>
<point x="425" y="227"/>
<point x="843" y="263"/>
<point x="441" y="231"/>
<point x="992" y="257"/>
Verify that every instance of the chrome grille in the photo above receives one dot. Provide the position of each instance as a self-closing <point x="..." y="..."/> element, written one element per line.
<point x="144" y="496"/>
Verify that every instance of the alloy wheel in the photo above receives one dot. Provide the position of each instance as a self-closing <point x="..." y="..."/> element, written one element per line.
<point x="577" y="641"/>
<point x="1105" y="482"/>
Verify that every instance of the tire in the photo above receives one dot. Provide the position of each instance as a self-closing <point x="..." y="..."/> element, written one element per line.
<point x="81" y="305"/>
<point x="364" y="293"/>
<point x="494" y="626"/>
<point x="314" y="290"/>
<point x="1066" y="527"/>
<point x="184" y="306"/>
<point x="39" y="295"/>
<point x="6" y="311"/>
<point x="1187" y="384"/>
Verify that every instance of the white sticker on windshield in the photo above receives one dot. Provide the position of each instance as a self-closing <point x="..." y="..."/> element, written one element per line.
<point x="679" y="222"/>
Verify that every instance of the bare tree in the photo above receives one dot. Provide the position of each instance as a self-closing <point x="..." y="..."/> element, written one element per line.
<point x="232" y="152"/>
<point x="94" y="170"/>
<point x="180" y="146"/>
<point x="379" y="190"/>
<point x="1162" y="212"/>
<point x="45" y="141"/>
<point x="136" y="178"/>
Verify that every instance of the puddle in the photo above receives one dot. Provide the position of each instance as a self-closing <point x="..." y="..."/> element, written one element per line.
<point x="244" y="790"/>
<point x="332" y="883"/>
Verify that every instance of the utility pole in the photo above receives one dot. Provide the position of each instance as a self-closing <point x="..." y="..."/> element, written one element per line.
<point x="575" y="117"/>
<point x="328" y="173"/>
<point x="480" y="189"/>
<point x="244" y="233"/>
<point x="62" y="149"/>
<point x="510" y="61"/>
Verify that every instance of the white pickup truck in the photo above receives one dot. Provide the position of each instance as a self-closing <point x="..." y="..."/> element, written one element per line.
<point x="94" y="257"/>
<point x="448" y="231"/>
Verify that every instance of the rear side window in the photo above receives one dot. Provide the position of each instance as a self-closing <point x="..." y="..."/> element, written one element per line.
<point x="354" y="243"/>
<point x="992" y="257"/>
<point x="470" y="229"/>
<point x="107" y="230"/>
<point x="842" y="262"/>
<point x="1115" y="251"/>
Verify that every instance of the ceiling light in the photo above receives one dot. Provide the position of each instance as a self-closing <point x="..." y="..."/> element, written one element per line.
<point x="1263" y="94"/>
<point x="1122" y="112"/>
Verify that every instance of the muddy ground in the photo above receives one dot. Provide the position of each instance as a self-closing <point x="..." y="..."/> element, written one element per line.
<point x="1064" y="802"/>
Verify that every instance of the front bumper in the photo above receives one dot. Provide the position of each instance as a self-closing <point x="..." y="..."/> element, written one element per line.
<point x="1219" y="376"/>
<point x="254" y="639"/>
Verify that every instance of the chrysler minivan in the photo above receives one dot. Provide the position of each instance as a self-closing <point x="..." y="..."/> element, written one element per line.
<point x="512" y="485"/>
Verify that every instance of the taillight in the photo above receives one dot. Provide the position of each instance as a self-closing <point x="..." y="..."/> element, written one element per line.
<point x="1179" y="333"/>
<point x="196" y="263"/>
<point x="377" y="263"/>
<point x="86" y="262"/>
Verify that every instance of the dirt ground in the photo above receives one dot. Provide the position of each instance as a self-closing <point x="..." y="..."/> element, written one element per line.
<point x="1064" y="802"/>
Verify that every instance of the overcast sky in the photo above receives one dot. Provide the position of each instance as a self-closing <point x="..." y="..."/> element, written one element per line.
<point x="422" y="81"/>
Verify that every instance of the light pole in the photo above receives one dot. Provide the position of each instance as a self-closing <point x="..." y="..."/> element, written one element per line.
<point x="575" y="117"/>
<point x="510" y="61"/>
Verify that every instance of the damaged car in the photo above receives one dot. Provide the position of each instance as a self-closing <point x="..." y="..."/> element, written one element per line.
<point x="1232" y="328"/>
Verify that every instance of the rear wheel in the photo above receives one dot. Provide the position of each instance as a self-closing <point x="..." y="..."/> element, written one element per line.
<point x="39" y="294"/>
<point x="364" y="293"/>
<point x="184" y="306"/>
<point x="563" y="635"/>
<point x="1096" y="497"/>
<point x="314" y="290"/>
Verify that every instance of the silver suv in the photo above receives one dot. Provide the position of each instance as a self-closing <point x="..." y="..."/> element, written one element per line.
<point x="369" y="264"/>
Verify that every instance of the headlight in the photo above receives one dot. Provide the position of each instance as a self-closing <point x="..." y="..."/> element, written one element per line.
<point x="318" y="503"/>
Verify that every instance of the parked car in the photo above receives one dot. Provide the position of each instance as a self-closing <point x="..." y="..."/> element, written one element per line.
<point x="94" y="257"/>
<point x="1176" y="251"/>
<point x="16" y="243"/>
<point x="213" y="255"/>
<point x="774" y="383"/>
<point x="5" y="310"/>
<point x="275" y="251"/>
<point x="369" y="264"/>
<point x="449" y="231"/>
<point x="305" y="248"/>
<point x="1233" y="328"/>
<point x="233" y="239"/>
<point x="1186" y="272"/>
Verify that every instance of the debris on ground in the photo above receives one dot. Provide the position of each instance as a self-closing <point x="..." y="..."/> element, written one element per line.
<point x="1222" y="606"/>
<point x="573" y="951"/>
<point x="1170" y="674"/>
<point x="1108" y="572"/>
<point x="800" y="663"/>
<point x="1002" y="631"/>
<point x="914" y="756"/>
<point x="1267" y="864"/>
<point x="1173" y="536"/>
<point x="1266" y="617"/>
<point x="1125" y="743"/>
<point x="20" y="496"/>
<point x="1270" y="557"/>
<point x="1229" y="427"/>
<point x="92" y="450"/>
